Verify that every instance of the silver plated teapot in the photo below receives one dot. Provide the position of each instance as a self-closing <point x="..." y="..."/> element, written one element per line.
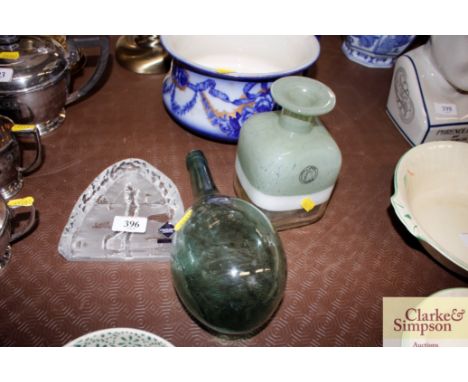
<point x="35" y="77"/>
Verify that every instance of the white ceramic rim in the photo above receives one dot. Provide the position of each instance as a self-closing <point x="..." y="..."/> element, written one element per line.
<point x="441" y="293"/>
<point x="240" y="75"/>
<point x="449" y="292"/>
<point x="112" y="330"/>
<point x="401" y="208"/>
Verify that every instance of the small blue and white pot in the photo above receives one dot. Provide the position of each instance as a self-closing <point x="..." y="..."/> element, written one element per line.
<point x="217" y="82"/>
<point x="375" y="51"/>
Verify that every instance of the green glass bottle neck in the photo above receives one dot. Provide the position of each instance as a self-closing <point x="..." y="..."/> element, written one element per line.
<point x="200" y="175"/>
<point x="295" y="122"/>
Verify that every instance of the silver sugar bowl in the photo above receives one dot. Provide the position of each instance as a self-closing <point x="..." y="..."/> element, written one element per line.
<point x="8" y="213"/>
<point x="11" y="169"/>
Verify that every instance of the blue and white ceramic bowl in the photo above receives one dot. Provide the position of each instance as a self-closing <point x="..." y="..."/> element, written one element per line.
<point x="217" y="82"/>
<point x="375" y="51"/>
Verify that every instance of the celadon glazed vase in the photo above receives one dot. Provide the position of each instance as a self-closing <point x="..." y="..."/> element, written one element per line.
<point x="287" y="163"/>
<point x="228" y="265"/>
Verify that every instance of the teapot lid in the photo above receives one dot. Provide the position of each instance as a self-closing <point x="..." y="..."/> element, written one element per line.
<point x="29" y="63"/>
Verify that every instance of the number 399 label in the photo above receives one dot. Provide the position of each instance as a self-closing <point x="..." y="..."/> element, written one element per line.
<point x="129" y="224"/>
<point x="6" y="74"/>
<point x="448" y="109"/>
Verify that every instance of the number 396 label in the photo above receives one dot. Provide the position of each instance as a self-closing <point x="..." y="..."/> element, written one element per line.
<point x="129" y="224"/>
<point x="6" y="74"/>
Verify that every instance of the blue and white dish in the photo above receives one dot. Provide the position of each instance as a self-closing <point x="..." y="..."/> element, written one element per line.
<point x="375" y="51"/>
<point x="217" y="82"/>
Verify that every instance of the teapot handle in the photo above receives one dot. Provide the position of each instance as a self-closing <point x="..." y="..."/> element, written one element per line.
<point x="30" y="129"/>
<point x="90" y="41"/>
<point x="28" y="203"/>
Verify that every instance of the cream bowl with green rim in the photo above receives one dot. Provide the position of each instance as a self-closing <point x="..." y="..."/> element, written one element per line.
<point x="431" y="200"/>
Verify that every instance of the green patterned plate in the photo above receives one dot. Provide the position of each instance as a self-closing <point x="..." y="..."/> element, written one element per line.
<point x="119" y="337"/>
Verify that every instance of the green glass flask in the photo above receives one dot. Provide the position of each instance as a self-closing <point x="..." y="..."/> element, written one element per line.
<point x="228" y="264"/>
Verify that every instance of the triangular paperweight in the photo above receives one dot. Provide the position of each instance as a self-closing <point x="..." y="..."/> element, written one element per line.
<point x="125" y="214"/>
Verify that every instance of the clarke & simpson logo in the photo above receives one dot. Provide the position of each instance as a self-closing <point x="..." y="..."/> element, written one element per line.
<point x="416" y="320"/>
<point x="431" y="321"/>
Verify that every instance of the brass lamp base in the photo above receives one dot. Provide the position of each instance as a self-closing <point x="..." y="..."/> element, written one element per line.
<point x="142" y="54"/>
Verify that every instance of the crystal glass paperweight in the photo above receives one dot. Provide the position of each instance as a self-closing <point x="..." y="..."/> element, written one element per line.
<point x="127" y="213"/>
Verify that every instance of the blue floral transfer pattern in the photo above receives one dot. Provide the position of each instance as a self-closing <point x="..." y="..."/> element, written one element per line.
<point x="255" y="98"/>
<point x="367" y="41"/>
<point x="375" y="50"/>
